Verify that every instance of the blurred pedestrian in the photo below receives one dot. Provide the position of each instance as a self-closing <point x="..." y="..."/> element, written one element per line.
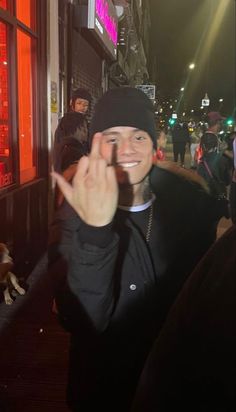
<point x="180" y="140"/>
<point x="194" y="144"/>
<point x="191" y="366"/>
<point x="121" y="251"/>
<point x="71" y="134"/>
<point x="161" y="145"/>
<point x="215" y="122"/>
<point x="214" y="168"/>
<point x="71" y="138"/>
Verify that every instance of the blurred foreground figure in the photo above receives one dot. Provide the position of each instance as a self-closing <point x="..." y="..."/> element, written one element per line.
<point x="192" y="365"/>
<point x="121" y="251"/>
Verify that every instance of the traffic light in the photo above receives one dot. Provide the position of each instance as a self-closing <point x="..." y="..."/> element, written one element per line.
<point x="172" y="121"/>
<point x="229" y="121"/>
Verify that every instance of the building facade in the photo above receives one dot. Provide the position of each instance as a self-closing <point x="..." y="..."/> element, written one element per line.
<point x="48" y="49"/>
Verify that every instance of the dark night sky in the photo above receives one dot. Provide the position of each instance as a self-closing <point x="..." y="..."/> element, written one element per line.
<point x="199" y="31"/>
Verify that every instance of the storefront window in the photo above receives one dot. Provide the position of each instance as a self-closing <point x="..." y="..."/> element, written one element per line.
<point x="18" y="93"/>
<point x="3" y="4"/>
<point x="25" y="60"/>
<point x="6" y="172"/>
<point x="25" y="12"/>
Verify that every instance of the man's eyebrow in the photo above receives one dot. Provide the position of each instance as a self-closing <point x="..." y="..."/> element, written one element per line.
<point x="108" y="132"/>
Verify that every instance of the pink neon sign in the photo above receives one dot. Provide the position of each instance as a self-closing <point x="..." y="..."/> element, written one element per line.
<point x="109" y="23"/>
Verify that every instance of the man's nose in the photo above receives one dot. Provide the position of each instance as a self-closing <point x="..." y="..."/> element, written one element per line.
<point x="127" y="147"/>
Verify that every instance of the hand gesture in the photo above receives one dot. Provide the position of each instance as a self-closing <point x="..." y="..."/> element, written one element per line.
<point x="94" y="190"/>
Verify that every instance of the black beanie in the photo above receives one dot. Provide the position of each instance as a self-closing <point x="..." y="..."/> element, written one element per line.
<point x="124" y="106"/>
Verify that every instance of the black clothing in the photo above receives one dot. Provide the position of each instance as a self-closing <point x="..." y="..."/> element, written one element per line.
<point x="191" y="366"/>
<point x="71" y="140"/>
<point x="179" y="150"/>
<point x="218" y="166"/>
<point x="180" y="137"/>
<point x="118" y="289"/>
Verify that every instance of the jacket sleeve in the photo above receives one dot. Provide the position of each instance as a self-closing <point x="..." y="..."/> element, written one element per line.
<point x="82" y="275"/>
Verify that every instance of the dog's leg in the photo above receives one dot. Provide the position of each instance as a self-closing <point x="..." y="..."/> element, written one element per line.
<point x="7" y="297"/>
<point x="14" y="281"/>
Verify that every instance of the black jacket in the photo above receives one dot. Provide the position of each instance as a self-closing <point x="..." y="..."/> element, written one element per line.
<point x="180" y="133"/>
<point x="111" y="299"/>
<point x="192" y="365"/>
<point x="70" y="140"/>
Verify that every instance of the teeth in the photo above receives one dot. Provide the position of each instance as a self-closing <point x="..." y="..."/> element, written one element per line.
<point x="127" y="165"/>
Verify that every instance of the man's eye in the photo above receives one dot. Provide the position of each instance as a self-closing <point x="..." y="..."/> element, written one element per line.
<point x="139" y="138"/>
<point x="111" y="140"/>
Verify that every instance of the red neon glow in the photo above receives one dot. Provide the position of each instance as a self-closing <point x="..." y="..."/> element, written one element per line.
<point x="3" y="4"/>
<point x="25" y="93"/>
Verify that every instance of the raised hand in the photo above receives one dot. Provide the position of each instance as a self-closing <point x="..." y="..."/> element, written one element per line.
<point x="94" y="190"/>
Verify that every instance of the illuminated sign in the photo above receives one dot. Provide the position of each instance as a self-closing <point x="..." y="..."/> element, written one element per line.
<point x="103" y="20"/>
<point x="149" y="89"/>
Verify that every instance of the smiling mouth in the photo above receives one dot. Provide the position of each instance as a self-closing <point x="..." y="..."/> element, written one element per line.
<point x="127" y="165"/>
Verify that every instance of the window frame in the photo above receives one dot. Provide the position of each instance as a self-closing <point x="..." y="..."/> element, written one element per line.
<point x="8" y="17"/>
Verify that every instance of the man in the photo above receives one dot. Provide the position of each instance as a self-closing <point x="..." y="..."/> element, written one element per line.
<point x="180" y="138"/>
<point x="192" y="365"/>
<point x="132" y="235"/>
<point x="71" y="135"/>
<point x="214" y="121"/>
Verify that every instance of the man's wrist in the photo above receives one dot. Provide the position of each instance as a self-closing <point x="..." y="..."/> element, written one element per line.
<point x="98" y="236"/>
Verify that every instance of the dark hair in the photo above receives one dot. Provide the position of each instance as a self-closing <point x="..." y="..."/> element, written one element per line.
<point x="80" y="94"/>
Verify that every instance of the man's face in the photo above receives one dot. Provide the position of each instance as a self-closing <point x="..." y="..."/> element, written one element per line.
<point x="81" y="105"/>
<point x="130" y="151"/>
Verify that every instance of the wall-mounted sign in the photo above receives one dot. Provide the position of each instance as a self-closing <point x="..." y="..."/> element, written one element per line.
<point x="205" y="102"/>
<point x="102" y="18"/>
<point x="54" y="107"/>
<point x="149" y="89"/>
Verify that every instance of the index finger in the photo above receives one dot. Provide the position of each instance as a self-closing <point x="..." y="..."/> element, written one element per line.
<point x="96" y="144"/>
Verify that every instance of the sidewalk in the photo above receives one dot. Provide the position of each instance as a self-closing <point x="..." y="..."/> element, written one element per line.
<point x="34" y="351"/>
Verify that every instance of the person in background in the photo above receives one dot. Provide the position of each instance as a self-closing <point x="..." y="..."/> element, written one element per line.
<point x="214" y="168"/>
<point x="161" y="144"/>
<point x="214" y="123"/>
<point x="71" y="134"/>
<point x="180" y="139"/>
<point x="214" y="160"/>
<point x="71" y="138"/>
<point x="194" y="144"/>
<point x="191" y="366"/>
<point x="120" y="249"/>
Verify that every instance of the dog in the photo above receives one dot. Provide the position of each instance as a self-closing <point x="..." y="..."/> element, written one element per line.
<point x="7" y="278"/>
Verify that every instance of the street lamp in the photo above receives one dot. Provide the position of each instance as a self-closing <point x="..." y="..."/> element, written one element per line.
<point x="221" y="100"/>
<point x="182" y="89"/>
<point x="191" y="66"/>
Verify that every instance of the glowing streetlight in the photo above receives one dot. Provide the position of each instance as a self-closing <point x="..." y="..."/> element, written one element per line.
<point x="182" y="89"/>
<point x="191" y="66"/>
<point x="221" y="100"/>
